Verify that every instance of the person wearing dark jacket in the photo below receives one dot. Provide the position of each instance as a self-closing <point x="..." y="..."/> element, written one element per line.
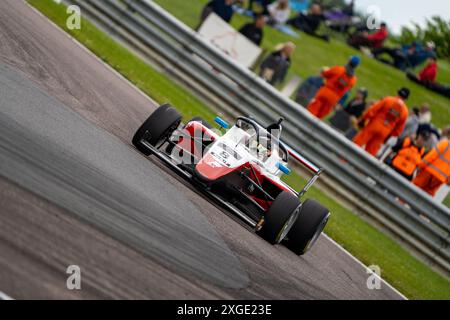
<point x="344" y="118"/>
<point x="254" y="31"/>
<point x="431" y="132"/>
<point x="406" y="56"/>
<point x="223" y="8"/>
<point x="308" y="23"/>
<point x="276" y="66"/>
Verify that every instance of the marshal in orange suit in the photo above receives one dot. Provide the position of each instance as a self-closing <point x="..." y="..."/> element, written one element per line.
<point x="435" y="168"/>
<point x="386" y="118"/>
<point x="339" y="80"/>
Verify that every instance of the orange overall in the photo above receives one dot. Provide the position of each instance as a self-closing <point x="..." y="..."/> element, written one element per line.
<point x="385" y="118"/>
<point x="338" y="82"/>
<point x="435" y="168"/>
<point x="408" y="158"/>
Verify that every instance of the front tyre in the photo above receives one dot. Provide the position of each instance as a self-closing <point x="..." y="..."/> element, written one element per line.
<point x="157" y="128"/>
<point x="280" y="218"/>
<point x="310" y="223"/>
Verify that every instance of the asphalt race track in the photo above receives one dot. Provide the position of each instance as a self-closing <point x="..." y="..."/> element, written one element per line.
<point x="74" y="191"/>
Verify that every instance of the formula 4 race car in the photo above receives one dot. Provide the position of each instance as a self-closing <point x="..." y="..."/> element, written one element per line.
<point x="241" y="169"/>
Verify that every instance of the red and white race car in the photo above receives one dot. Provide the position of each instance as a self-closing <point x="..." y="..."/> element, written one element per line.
<point x="241" y="168"/>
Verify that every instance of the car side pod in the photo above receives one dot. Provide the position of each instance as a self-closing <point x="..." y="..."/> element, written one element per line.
<point x="222" y="123"/>
<point x="283" y="168"/>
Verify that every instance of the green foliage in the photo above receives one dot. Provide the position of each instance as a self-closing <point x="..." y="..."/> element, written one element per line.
<point x="436" y="30"/>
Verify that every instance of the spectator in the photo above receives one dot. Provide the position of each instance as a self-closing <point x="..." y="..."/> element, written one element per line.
<point x="421" y="54"/>
<point x="406" y="56"/>
<point x="408" y="155"/>
<point x="344" y="118"/>
<point x="432" y="133"/>
<point x="425" y="114"/>
<point x="223" y="8"/>
<point x="372" y="41"/>
<point x="435" y="167"/>
<point x="308" y="90"/>
<point x="429" y="73"/>
<point x="279" y="12"/>
<point x="427" y="78"/>
<point x="339" y="80"/>
<point x="254" y="31"/>
<point x="385" y="119"/>
<point x="276" y="66"/>
<point x="412" y="125"/>
<point x="308" y="23"/>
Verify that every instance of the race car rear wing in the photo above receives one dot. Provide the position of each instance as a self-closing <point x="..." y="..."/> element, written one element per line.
<point x="302" y="160"/>
<point x="307" y="164"/>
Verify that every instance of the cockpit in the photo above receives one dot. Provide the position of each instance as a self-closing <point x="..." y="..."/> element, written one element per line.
<point x="261" y="142"/>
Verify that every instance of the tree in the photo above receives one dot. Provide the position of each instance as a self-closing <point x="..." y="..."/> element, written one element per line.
<point x="436" y="29"/>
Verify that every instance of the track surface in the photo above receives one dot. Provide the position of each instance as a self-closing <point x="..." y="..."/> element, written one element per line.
<point x="73" y="191"/>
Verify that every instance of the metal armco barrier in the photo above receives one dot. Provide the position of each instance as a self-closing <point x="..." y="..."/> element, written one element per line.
<point x="416" y="217"/>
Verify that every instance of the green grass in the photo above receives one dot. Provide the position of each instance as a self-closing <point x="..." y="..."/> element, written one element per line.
<point x="407" y="274"/>
<point x="444" y="73"/>
<point x="447" y="201"/>
<point x="150" y="81"/>
<point x="312" y="54"/>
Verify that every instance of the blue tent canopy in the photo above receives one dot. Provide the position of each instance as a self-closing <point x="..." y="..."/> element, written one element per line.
<point x="299" y="5"/>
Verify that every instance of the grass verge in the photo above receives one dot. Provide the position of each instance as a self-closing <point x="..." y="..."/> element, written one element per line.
<point x="400" y="268"/>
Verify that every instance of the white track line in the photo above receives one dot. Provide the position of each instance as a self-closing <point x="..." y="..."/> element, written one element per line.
<point x="5" y="296"/>
<point x="155" y="103"/>
<point x="364" y="266"/>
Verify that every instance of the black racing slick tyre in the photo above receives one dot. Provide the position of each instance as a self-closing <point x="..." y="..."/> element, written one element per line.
<point x="158" y="127"/>
<point x="280" y="217"/>
<point x="310" y="223"/>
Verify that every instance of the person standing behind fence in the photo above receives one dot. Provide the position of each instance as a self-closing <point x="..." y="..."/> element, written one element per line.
<point x="223" y="8"/>
<point x="384" y="119"/>
<point x="339" y="80"/>
<point x="435" y="167"/>
<point x="345" y="118"/>
<point x="412" y="124"/>
<point x="254" y="31"/>
<point x="276" y="66"/>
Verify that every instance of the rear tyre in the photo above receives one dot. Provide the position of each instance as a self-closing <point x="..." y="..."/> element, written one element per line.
<point x="157" y="128"/>
<point x="280" y="218"/>
<point x="310" y="223"/>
